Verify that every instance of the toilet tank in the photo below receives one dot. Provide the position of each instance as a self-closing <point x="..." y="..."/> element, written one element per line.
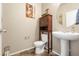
<point x="44" y="37"/>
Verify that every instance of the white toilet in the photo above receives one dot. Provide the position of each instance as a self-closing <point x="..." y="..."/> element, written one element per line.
<point x="39" y="45"/>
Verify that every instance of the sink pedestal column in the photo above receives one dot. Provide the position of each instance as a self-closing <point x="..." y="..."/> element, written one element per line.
<point x="64" y="47"/>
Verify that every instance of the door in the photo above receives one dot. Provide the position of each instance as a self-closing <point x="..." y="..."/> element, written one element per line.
<point x="2" y="31"/>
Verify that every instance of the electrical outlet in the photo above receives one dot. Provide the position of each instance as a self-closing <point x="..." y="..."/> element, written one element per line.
<point x="27" y="37"/>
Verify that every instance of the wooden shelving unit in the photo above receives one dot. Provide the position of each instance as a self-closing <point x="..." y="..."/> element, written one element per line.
<point x="45" y="25"/>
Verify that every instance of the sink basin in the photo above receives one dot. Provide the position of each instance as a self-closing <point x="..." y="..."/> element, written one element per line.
<point x="65" y="37"/>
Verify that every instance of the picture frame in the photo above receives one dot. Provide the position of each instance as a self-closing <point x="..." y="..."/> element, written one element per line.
<point x="29" y="10"/>
<point x="60" y="19"/>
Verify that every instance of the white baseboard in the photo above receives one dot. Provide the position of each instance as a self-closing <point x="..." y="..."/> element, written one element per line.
<point x="20" y="51"/>
<point x="56" y="53"/>
<point x="29" y="49"/>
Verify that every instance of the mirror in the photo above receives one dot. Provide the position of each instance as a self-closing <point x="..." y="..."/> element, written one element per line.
<point x="68" y="18"/>
<point x="72" y="17"/>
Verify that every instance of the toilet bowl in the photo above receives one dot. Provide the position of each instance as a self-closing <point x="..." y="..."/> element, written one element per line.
<point x="39" y="45"/>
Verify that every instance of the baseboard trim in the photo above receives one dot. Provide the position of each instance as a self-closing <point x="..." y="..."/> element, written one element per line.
<point x="56" y="53"/>
<point x="20" y="51"/>
<point x="29" y="49"/>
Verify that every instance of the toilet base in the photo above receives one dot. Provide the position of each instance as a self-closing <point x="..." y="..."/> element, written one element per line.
<point x="39" y="51"/>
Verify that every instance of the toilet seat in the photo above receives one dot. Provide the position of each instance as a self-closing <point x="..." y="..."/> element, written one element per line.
<point x="39" y="43"/>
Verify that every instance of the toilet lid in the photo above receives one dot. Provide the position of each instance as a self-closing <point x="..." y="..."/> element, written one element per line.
<point x="39" y="42"/>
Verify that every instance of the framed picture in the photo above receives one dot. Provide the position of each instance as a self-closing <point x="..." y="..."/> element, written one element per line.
<point x="29" y="10"/>
<point x="60" y="19"/>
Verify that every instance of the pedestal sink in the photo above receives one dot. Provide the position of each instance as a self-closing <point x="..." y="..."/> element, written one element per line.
<point x="65" y="37"/>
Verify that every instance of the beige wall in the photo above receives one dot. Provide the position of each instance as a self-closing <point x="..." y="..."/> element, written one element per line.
<point x="18" y="26"/>
<point x="56" y="9"/>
